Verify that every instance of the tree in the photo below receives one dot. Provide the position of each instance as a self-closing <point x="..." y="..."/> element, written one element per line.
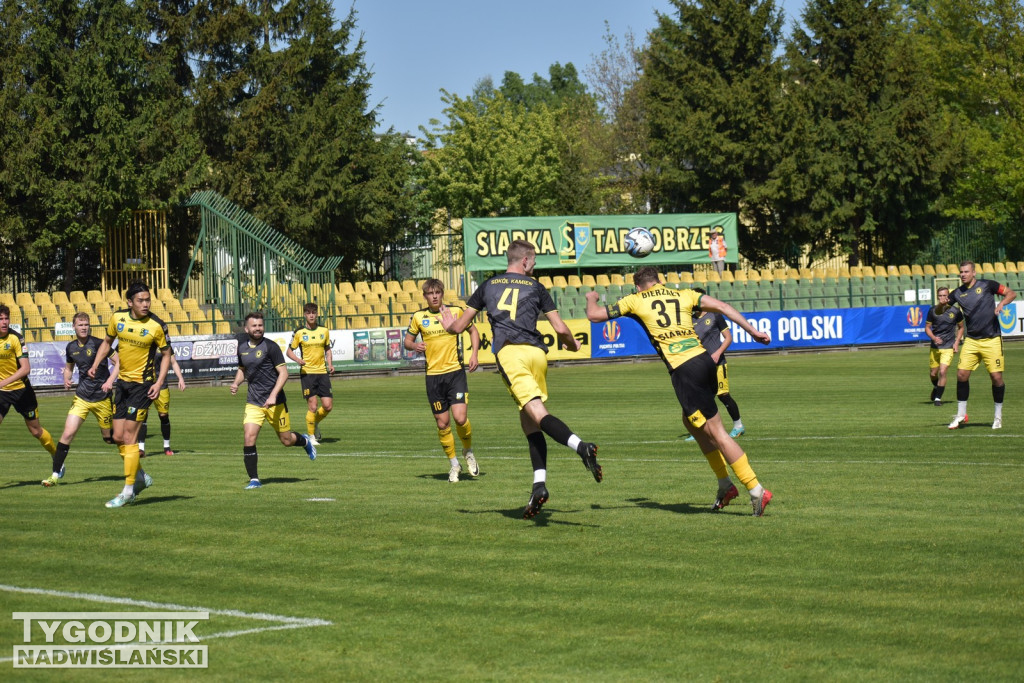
<point x="711" y="88"/>
<point x="865" y="151"/>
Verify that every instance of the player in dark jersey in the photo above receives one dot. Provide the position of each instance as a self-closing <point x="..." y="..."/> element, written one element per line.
<point x="945" y="327"/>
<point x="715" y="336"/>
<point x="261" y="363"/>
<point x="91" y="396"/>
<point x="513" y="302"/>
<point x="667" y="316"/>
<point x="984" y="342"/>
<point x="447" y="386"/>
<point x="15" y="388"/>
<point x="140" y="338"/>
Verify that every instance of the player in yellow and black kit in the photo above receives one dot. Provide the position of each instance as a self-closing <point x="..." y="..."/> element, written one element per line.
<point x="140" y="339"/>
<point x="514" y="301"/>
<point x="92" y="395"/>
<point x="667" y="316"/>
<point x="316" y="366"/>
<point x="447" y="387"/>
<point x="15" y="388"/>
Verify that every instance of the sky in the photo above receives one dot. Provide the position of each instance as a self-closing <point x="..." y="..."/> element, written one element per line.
<point x="417" y="47"/>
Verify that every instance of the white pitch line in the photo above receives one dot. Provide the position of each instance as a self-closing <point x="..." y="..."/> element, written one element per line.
<point x="283" y="622"/>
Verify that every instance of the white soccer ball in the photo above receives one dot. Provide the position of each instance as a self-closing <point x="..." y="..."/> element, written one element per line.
<point x="639" y="242"/>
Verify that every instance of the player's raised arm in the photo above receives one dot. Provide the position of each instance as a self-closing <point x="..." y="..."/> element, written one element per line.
<point x="457" y="325"/>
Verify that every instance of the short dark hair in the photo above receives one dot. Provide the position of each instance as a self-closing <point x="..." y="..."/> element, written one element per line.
<point x="134" y="288"/>
<point x="518" y="249"/>
<point x="4" y="310"/>
<point x="942" y="289"/>
<point x="433" y="283"/>
<point x="81" y="315"/>
<point x="646" y="275"/>
<point x="254" y="315"/>
<point x="311" y="307"/>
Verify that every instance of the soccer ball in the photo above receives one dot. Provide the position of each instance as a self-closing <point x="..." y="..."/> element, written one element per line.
<point x="639" y="242"/>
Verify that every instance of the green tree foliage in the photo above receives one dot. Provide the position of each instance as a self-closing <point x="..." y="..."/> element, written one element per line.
<point x="88" y="109"/>
<point x="865" y="144"/>
<point x="974" y="52"/>
<point x="493" y="157"/>
<point x="711" y="86"/>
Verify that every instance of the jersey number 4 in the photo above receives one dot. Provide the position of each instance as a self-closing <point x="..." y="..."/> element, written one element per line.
<point x="509" y="301"/>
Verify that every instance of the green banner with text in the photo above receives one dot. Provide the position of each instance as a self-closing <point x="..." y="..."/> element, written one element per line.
<point x="596" y="241"/>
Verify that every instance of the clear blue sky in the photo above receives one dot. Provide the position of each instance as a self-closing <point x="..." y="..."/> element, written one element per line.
<point x="417" y="47"/>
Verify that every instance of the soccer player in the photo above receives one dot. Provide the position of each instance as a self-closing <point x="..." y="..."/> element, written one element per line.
<point x="15" y="388"/>
<point x="945" y="327"/>
<point x="667" y="316"/>
<point x="315" y="366"/>
<point x="715" y="336"/>
<point x="91" y="396"/>
<point x="140" y="337"/>
<point x="984" y="342"/>
<point x="261" y="363"/>
<point x="447" y="387"/>
<point x="513" y="302"/>
<point x="163" y="408"/>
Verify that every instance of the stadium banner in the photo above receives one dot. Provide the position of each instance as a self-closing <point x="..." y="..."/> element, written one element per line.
<point x="800" y="329"/>
<point x="571" y="242"/>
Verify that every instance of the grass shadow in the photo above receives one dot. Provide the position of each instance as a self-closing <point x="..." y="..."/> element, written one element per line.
<point x="543" y="517"/>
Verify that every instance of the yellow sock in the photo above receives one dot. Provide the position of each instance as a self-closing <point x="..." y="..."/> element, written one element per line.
<point x="131" y="463"/>
<point x="310" y="422"/>
<point x="447" y="441"/>
<point x="320" y="413"/>
<point x="465" y="434"/>
<point x="48" y="443"/>
<point x="717" y="462"/>
<point x="743" y="472"/>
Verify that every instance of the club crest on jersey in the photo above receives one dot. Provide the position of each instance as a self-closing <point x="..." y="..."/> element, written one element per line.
<point x="144" y="332"/>
<point x="259" y="354"/>
<point x="305" y="337"/>
<point x="426" y="322"/>
<point x="120" y="327"/>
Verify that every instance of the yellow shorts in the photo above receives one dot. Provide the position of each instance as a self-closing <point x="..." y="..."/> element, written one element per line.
<point x="524" y="369"/>
<point x="939" y="357"/>
<point x="977" y="351"/>
<point x="103" y="411"/>
<point x="163" y="402"/>
<point x="276" y="415"/>
<point x="723" y="379"/>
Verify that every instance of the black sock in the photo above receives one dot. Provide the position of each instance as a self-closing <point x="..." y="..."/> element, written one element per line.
<point x="998" y="393"/>
<point x="938" y="392"/>
<point x="730" y="404"/>
<point x="142" y="434"/>
<point x="165" y="427"/>
<point x="60" y="456"/>
<point x="963" y="390"/>
<point x="538" y="450"/>
<point x="556" y="429"/>
<point x="300" y="440"/>
<point x="250" y="457"/>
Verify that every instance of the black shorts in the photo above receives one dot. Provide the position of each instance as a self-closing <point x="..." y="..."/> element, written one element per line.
<point x="316" y="385"/>
<point x="444" y="391"/>
<point x="696" y="384"/>
<point x="23" y="400"/>
<point x="131" y="400"/>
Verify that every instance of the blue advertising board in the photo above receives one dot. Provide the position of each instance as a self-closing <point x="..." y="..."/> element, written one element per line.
<point x="788" y="329"/>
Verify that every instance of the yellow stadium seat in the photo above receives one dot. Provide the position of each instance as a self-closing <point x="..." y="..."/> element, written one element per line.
<point x="880" y="271"/>
<point x="627" y="279"/>
<point x="94" y="296"/>
<point x="999" y="267"/>
<point x="378" y="287"/>
<point x="559" y="281"/>
<point x="953" y="268"/>
<point x="727" y="276"/>
<point x="67" y="311"/>
<point x="410" y="286"/>
<point x="204" y="328"/>
<point x="164" y="293"/>
<point x="190" y="305"/>
<point x="917" y="270"/>
<point x="740" y="276"/>
<point x="24" y="299"/>
<point x="113" y="296"/>
<point x="7" y="299"/>
<point x="855" y="271"/>
<point x="223" y="328"/>
<point x="588" y="281"/>
<point x="59" y="297"/>
<point x="574" y="281"/>
<point x="345" y="288"/>
<point x="35" y="321"/>
<point x="361" y="287"/>
<point x="940" y="269"/>
<point x="1011" y="267"/>
<point x="672" y="277"/>
<point x="928" y="269"/>
<point x="602" y="280"/>
<point x="358" y="322"/>
<point x="29" y="336"/>
<point x="686" y="278"/>
<point x="546" y="281"/>
<point x="42" y="299"/>
<point x="904" y="270"/>
<point x="94" y="320"/>
<point x="393" y="286"/>
<point x="617" y="279"/>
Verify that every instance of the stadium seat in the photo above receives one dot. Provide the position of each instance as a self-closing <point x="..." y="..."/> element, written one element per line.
<point x="617" y="279"/>
<point x="204" y="328"/>
<point x="559" y="281"/>
<point x="112" y="296"/>
<point x="999" y="267"/>
<point x="940" y="269"/>
<point x="686" y="278"/>
<point x="393" y="286"/>
<point x="986" y="269"/>
<point x="588" y="281"/>
<point x="1010" y="267"/>
<point x="345" y="288"/>
<point x="378" y="287"/>
<point x="223" y="328"/>
<point x="410" y="286"/>
<point x="627" y="279"/>
<point x="94" y="296"/>
<point x="574" y="281"/>
<point x="672" y="278"/>
<point x="927" y="270"/>
<point x="602" y="280"/>
<point x="546" y="281"/>
<point x="361" y="287"/>
<point x="727" y="276"/>
<point x="59" y="297"/>
<point x="24" y="299"/>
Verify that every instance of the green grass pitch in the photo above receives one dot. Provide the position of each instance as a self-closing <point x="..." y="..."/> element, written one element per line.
<point x="891" y="551"/>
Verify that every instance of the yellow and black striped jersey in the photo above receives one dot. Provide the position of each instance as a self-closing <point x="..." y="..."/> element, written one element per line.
<point x="444" y="349"/>
<point x="667" y="317"/>
<point x="314" y="345"/>
<point x="12" y="349"/>
<point x="138" y="342"/>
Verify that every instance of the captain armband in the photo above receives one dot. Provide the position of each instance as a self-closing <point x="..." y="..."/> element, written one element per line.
<point x="613" y="311"/>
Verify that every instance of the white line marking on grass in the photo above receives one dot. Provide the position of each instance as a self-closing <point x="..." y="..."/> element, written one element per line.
<point x="281" y="622"/>
<point x="320" y="500"/>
